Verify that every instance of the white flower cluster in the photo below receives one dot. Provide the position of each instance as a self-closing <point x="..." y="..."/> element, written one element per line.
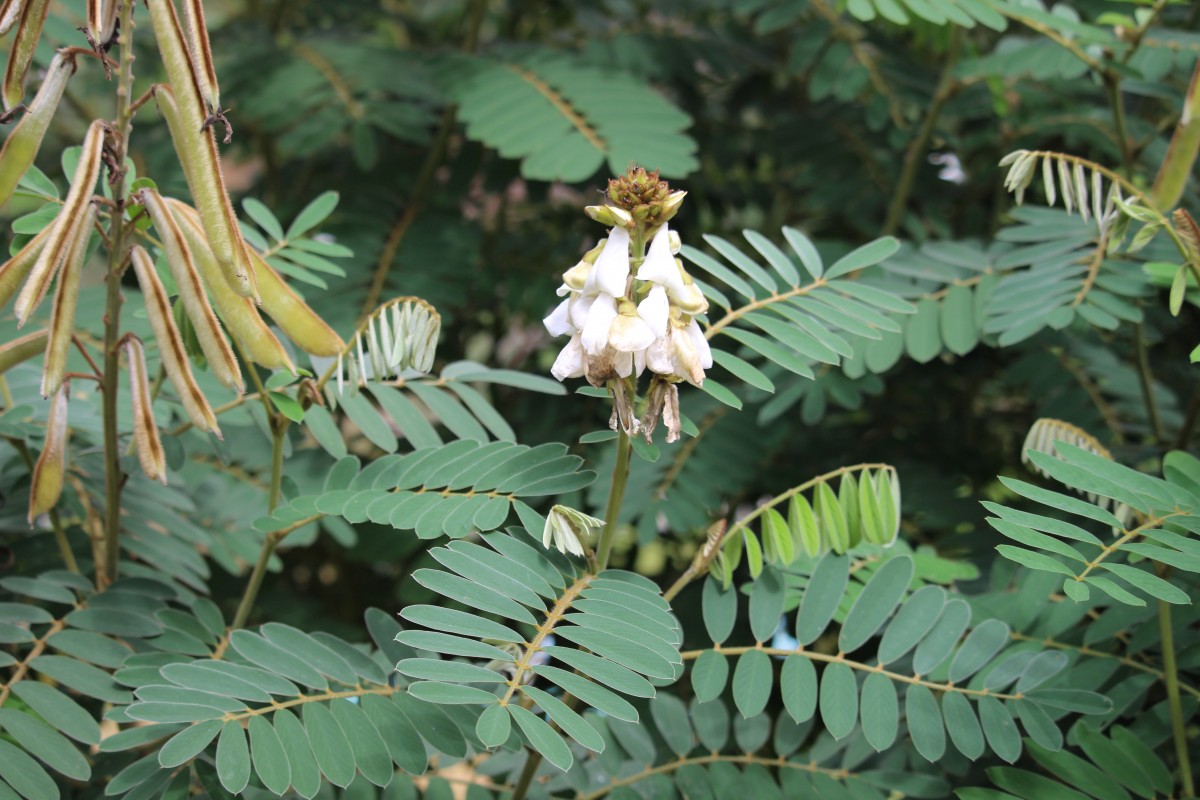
<point x="621" y="327"/>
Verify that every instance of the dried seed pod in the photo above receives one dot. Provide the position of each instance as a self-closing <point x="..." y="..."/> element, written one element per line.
<point x="239" y="314"/>
<point x="14" y="271"/>
<point x="21" y="146"/>
<point x="22" y="349"/>
<point x="33" y="17"/>
<point x="101" y="22"/>
<point x="145" y="431"/>
<point x="301" y="324"/>
<point x="10" y="12"/>
<point x="185" y="114"/>
<point x="200" y="54"/>
<point x="170" y="344"/>
<point x="191" y="290"/>
<point x="51" y="465"/>
<point x="66" y="298"/>
<point x="64" y="230"/>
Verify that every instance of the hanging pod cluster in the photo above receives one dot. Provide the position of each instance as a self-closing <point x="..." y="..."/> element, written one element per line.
<point x="864" y="510"/>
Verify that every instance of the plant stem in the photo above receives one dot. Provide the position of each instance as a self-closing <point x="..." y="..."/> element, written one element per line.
<point x="1146" y="379"/>
<point x="616" y="493"/>
<point x="1171" y="672"/>
<point x="277" y="442"/>
<point x="106" y="572"/>
<point x="1112" y="82"/>
<point x="279" y="426"/>
<point x="527" y="772"/>
<point x="946" y="89"/>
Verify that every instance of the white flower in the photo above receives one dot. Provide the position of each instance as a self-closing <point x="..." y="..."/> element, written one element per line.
<point x="600" y="315"/>
<point x="629" y="333"/>
<point x="570" y="361"/>
<point x="566" y="528"/>
<point x="559" y="321"/>
<point x="661" y="267"/>
<point x="683" y="352"/>
<point x="656" y="310"/>
<point x="611" y="271"/>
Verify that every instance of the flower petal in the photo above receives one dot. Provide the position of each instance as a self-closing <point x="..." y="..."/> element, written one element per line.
<point x="659" y="265"/>
<point x="569" y="363"/>
<point x="599" y="321"/>
<point x="612" y="266"/>
<point x="703" y="351"/>
<point x="559" y="320"/>
<point x="630" y="333"/>
<point x="655" y="310"/>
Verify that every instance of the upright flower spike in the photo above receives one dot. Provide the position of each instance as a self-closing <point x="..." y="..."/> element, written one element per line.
<point x="239" y="313"/>
<point x="33" y="17"/>
<point x="66" y="299"/>
<point x="149" y="447"/>
<point x="22" y="145"/>
<point x="170" y="344"/>
<point x="50" y="470"/>
<point x="65" y="228"/>
<point x="191" y="291"/>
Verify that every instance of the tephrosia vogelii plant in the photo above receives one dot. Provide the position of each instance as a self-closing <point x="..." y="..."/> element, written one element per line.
<point x="383" y="502"/>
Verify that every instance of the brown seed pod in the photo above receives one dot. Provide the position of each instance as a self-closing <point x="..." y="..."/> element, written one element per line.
<point x="145" y="431"/>
<point x="191" y="291"/>
<point x="14" y="271"/>
<point x="66" y="298"/>
<point x="51" y="465"/>
<point x="186" y="115"/>
<point x="64" y="230"/>
<point x="239" y="314"/>
<point x="10" y="12"/>
<point x="21" y="146"/>
<point x="301" y="324"/>
<point x="101" y="22"/>
<point x="170" y="344"/>
<point x="200" y="54"/>
<point x="22" y="349"/>
<point x="33" y="17"/>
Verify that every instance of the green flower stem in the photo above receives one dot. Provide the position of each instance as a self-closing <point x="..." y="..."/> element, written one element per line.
<point x="279" y="427"/>
<point x="616" y="494"/>
<point x="1171" y="672"/>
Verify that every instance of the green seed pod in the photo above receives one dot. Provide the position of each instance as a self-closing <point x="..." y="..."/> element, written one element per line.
<point x="200" y="54"/>
<point x="64" y="230"/>
<point x="185" y="114"/>
<point x="66" y="299"/>
<point x="191" y="291"/>
<point x="10" y="12"/>
<point x="14" y="271"/>
<point x="170" y="344"/>
<point x="298" y="321"/>
<point x="239" y="314"/>
<point x="145" y="430"/>
<point x="33" y="17"/>
<point x="51" y="465"/>
<point x="22" y="349"/>
<point x="21" y="146"/>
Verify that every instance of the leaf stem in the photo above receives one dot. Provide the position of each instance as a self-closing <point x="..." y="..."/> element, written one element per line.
<point x="106" y="572"/>
<point x="1171" y="672"/>
<point x="616" y="493"/>
<point x="279" y="426"/>
<point x="1112" y="82"/>
<point x="1146" y="379"/>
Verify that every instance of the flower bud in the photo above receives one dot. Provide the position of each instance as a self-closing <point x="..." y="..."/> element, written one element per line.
<point x="21" y="349"/>
<point x="170" y="344"/>
<point x="33" y="17"/>
<point x="145" y="431"/>
<point x="64" y="230"/>
<point x="191" y="291"/>
<point x="66" y="299"/>
<point x="51" y="465"/>
<point x="602" y="214"/>
<point x="670" y="206"/>
<point x="567" y="529"/>
<point x="21" y="146"/>
<point x="301" y="324"/>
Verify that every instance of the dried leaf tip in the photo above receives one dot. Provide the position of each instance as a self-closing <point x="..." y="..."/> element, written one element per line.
<point x="149" y="447"/>
<point x="51" y="465"/>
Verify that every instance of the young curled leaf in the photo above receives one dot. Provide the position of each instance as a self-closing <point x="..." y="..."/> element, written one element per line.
<point x="21" y="349"/>
<point x="64" y="231"/>
<point x="191" y="291"/>
<point x="66" y="299"/>
<point x="145" y="431"/>
<point x="301" y="324"/>
<point x="22" y="145"/>
<point x="239" y="314"/>
<point x="33" y="17"/>
<point x="170" y="344"/>
<point x="51" y="465"/>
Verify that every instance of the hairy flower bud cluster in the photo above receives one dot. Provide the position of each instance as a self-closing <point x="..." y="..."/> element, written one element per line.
<point x="627" y="314"/>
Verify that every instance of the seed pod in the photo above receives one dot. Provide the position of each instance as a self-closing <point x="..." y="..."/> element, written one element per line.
<point x="101" y="22"/>
<point x="10" y="12"/>
<point x="185" y="114"/>
<point x="145" y="430"/>
<point x="14" y="271"/>
<point x="200" y="54"/>
<point x="301" y="324"/>
<point x="63" y="231"/>
<point x="21" y="146"/>
<point x="33" y="17"/>
<point x="191" y="290"/>
<point x="66" y="298"/>
<point x="51" y="465"/>
<point x="22" y="349"/>
<point x="170" y="345"/>
<point x="239" y="313"/>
